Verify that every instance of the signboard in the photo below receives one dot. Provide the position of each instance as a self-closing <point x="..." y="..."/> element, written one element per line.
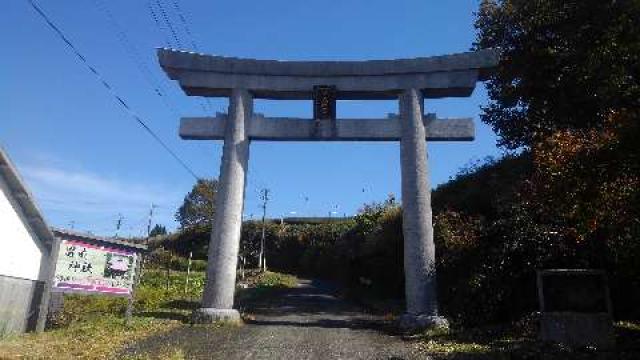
<point x="324" y="102"/>
<point x="92" y="268"/>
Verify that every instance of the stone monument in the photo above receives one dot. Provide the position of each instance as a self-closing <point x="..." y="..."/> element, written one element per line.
<point x="575" y="307"/>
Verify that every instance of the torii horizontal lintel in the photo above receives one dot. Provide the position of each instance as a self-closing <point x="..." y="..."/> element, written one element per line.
<point x="297" y="129"/>
<point x="452" y="75"/>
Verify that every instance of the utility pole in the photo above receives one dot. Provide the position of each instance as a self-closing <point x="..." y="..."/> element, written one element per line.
<point x="262" y="261"/>
<point x="119" y="223"/>
<point x="153" y="206"/>
<point x="142" y="260"/>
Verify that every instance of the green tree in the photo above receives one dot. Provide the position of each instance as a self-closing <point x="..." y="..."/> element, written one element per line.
<point x="565" y="65"/>
<point x="568" y="92"/>
<point x="158" y="230"/>
<point x="199" y="204"/>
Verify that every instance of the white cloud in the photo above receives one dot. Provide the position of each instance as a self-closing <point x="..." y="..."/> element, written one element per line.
<point x="93" y="201"/>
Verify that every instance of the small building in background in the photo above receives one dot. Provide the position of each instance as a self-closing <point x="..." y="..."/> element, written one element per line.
<point x="27" y="255"/>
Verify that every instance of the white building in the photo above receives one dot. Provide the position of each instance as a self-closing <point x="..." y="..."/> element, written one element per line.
<point x="27" y="247"/>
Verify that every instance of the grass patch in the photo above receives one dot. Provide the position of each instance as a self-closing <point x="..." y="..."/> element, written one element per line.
<point x="273" y="280"/>
<point x="158" y="295"/>
<point x="258" y="287"/>
<point x="93" y="327"/>
<point x="519" y="341"/>
<point x="452" y="347"/>
<point x="96" y="338"/>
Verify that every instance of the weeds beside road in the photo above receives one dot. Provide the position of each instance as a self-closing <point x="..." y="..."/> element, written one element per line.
<point x="93" y="327"/>
<point x="282" y="317"/>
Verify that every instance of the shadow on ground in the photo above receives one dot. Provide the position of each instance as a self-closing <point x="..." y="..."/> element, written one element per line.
<point x="305" y="322"/>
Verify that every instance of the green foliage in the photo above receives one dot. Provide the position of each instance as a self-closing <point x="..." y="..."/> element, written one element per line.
<point x="82" y="307"/>
<point x="275" y="280"/>
<point x="199" y="205"/>
<point x="163" y="259"/>
<point x="193" y="240"/>
<point x="299" y="248"/>
<point x="565" y="65"/>
<point x="482" y="187"/>
<point x="151" y="295"/>
<point x="158" y="230"/>
<point x="160" y="294"/>
<point x="374" y="249"/>
<point x="366" y="247"/>
<point x="101" y="337"/>
<point x="519" y="340"/>
<point x="567" y="90"/>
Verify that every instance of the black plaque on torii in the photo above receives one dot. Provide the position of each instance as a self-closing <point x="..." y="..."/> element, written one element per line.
<point x="324" y="102"/>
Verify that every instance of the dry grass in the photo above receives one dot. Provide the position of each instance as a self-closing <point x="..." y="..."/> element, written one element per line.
<point x="99" y="338"/>
<point x="92" y="327"/>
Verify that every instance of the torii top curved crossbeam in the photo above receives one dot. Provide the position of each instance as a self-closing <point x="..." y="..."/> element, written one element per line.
<point x="437" y="77"/>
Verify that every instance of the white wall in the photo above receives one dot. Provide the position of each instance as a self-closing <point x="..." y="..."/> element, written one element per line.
<point x="19" y="253"/>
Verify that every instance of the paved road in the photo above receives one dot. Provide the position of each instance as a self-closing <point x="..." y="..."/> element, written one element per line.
<point x="306" y="322"/>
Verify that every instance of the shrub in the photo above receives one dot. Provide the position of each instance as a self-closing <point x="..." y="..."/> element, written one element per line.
<point x="270" y="279"/>
<point x="151" y="294"/>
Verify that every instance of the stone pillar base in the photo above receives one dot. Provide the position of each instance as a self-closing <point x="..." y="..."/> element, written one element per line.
<point x="412" y="323"/>
<point x="212" y="315"/>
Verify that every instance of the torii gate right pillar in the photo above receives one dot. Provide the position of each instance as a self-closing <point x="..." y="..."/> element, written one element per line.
<point x="417" y="227"/>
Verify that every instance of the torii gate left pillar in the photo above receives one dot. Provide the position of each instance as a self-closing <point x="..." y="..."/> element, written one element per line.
<point x="217" y="300"/>
<point x="409" y="81"/>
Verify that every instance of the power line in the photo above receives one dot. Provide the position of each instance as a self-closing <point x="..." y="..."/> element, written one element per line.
<point x="185" y="24"/>
<point x="167" y="21"/>
<point x="110" y="89"/>
<point x="154" y="16"/>
<point x="167" y="34"/>
<point x="190" y="38"/>
<point x="134" y="55"/>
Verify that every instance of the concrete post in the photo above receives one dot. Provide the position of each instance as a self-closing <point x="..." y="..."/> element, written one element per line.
<point x="217" y="300"/>
<point x="419" y="250"/>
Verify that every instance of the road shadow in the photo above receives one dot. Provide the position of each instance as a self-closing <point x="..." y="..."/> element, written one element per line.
<point x="353" y="324"/>
<point x="310" y="321"/>
<point x="313" y="304"/>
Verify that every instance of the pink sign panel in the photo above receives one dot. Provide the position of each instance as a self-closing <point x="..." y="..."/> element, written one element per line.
<point x="90" y="268"/>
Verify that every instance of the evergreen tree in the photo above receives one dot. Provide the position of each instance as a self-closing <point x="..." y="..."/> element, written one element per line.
<point x="158" y="230"/>
<point x="199" y="204"/>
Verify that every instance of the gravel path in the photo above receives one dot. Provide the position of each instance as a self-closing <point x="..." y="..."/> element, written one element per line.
<point x="306" y="322"/>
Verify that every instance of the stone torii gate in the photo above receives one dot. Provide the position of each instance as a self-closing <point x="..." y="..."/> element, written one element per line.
<point x="324" y="82"/>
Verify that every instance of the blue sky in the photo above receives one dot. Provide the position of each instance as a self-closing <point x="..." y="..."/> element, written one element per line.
<point x="87" y="161"/>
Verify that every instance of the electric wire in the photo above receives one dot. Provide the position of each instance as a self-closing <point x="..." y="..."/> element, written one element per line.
<point x="190" y="38"/>
<point x="185" y="24"/>
<point x="135" y="56"/>
<point x="169" y="44"/>
<point x="167" y="21"/>
<point x="154" y="16"/>
<point x="118" y="99"/>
